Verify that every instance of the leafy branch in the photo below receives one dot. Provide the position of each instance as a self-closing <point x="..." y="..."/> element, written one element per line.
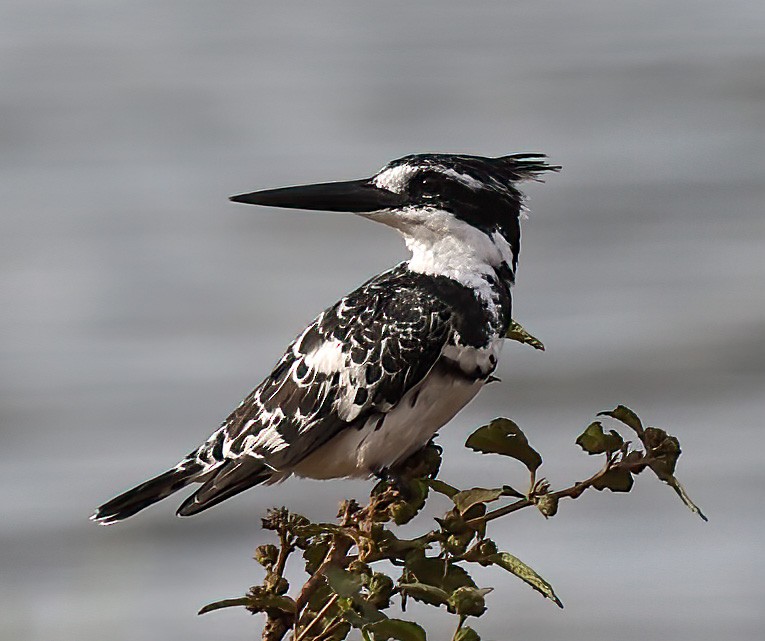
<point x="347" y="589"/>
<point x="344" y="591"/>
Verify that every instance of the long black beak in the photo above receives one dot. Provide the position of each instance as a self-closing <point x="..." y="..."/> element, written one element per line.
<point x="351" y="196"/>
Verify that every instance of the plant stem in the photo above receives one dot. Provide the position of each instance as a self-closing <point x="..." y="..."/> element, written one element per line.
<point x="318" y="616"/>
<point x="336" y="556"/>
<point x="459" y="626"/>
<point x="502" y="511"/>
<point x="572" y="492"/>
<point x="331" y="627"/>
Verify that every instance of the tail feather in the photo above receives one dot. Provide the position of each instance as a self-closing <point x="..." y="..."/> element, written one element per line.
<point x="233" y="477"/>
<point x="145" y="494"/>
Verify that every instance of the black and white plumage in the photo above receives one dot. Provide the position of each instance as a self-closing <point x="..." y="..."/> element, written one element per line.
<point x="373" y="377"/>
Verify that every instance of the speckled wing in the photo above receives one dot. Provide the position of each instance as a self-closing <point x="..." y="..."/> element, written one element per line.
<point x="357" y="358"/>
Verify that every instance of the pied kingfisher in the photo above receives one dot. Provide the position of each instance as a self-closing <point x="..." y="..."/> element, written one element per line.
<point x="377" y="374"/>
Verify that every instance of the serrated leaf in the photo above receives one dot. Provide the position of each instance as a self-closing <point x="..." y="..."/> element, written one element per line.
<point x="616" y="480"/>
<point x="439" y="573"/>
<point x="664" y="448"/>
<point x="394" y="629"/>
<point x="358" y="611"/>
<point x="466" y="633"/>
<point x="315" y="553"/>
<point x="466" y="499"/>
<point x="517" y="567"/>
<point x="342" y="582"/>
<point x="626" y="416"/>
<point x="516" y="333"/>
<point x="503" y="436"/>
<point x="356" y="608"/>
<point x="225" y="603"/>
<point x="425" y="593"/>
<point x="442" y="488"/>
<point x="594" y="441"/>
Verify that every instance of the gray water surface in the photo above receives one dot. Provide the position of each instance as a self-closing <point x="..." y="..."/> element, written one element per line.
<point x="139" y="307"/>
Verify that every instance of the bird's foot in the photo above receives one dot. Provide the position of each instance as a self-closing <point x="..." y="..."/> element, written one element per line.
<point x="389" y="477"/>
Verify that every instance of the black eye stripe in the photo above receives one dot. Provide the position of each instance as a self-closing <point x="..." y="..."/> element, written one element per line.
<point x="437" y="182"/>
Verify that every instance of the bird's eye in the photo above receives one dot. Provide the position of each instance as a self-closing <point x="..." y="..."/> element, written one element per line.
<point x="424" y="186"/>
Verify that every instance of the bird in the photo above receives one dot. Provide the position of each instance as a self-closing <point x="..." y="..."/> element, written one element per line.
<point x="373" y="378"/>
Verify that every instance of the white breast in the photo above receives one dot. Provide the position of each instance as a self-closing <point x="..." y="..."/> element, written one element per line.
<point x="386" y="439"/>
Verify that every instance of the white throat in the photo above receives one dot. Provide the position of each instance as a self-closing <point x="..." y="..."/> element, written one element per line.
<point x="443" y="245"/>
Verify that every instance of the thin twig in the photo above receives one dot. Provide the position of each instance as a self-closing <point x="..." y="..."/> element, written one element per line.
<point x="286" y="548"/>
<point x="336" y="556"/>
<point x="277" y="626"/>
<point x="330" y="629"/>
<point x="572" y="492"/>
<point x="459" y="626"/>
<point x="318" y="616"/>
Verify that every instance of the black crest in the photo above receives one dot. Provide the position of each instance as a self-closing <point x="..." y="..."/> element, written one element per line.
<point x="479" y="190"/>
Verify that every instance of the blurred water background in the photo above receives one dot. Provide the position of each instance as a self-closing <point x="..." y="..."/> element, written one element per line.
<point x="139" y="306"/>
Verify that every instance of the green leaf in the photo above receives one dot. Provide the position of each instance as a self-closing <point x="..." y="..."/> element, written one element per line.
<point x="379" y="589"/>
<point x="466" y="633"/>
<point x="343" y="583"/>
<point x="402" y="512"/>
<point x="525" y="573"/>
<point x="394" y="629"/>
<point x="507" y="490"/>
<point x="665" y="449"/>
<point x="635" y="460"/>
<point x="358" y="611"/>
<point x="424" y="592"/>
<point x="269" y="601"/>
<point x="318" y="599"/>
<point x="616" y="480"/>
<point x="594" y="441"/>
<point x="442" y="488"/>
<point x="350" y="612"/>
<point x="258" y="600"/>
<point x="225" y="603"/>
<point x="315" y="553"/>
<point x="547" y="504"/>
<point x="466" y="499"/>
<point x="516" y="333"/>
<point x="626" y="416"/>
<point x="503" y="436"/>
<point x="469" y="602"/>
<point x="439" y="573"/>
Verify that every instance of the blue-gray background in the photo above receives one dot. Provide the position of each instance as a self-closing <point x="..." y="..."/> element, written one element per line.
<point x="138" y="306"/>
